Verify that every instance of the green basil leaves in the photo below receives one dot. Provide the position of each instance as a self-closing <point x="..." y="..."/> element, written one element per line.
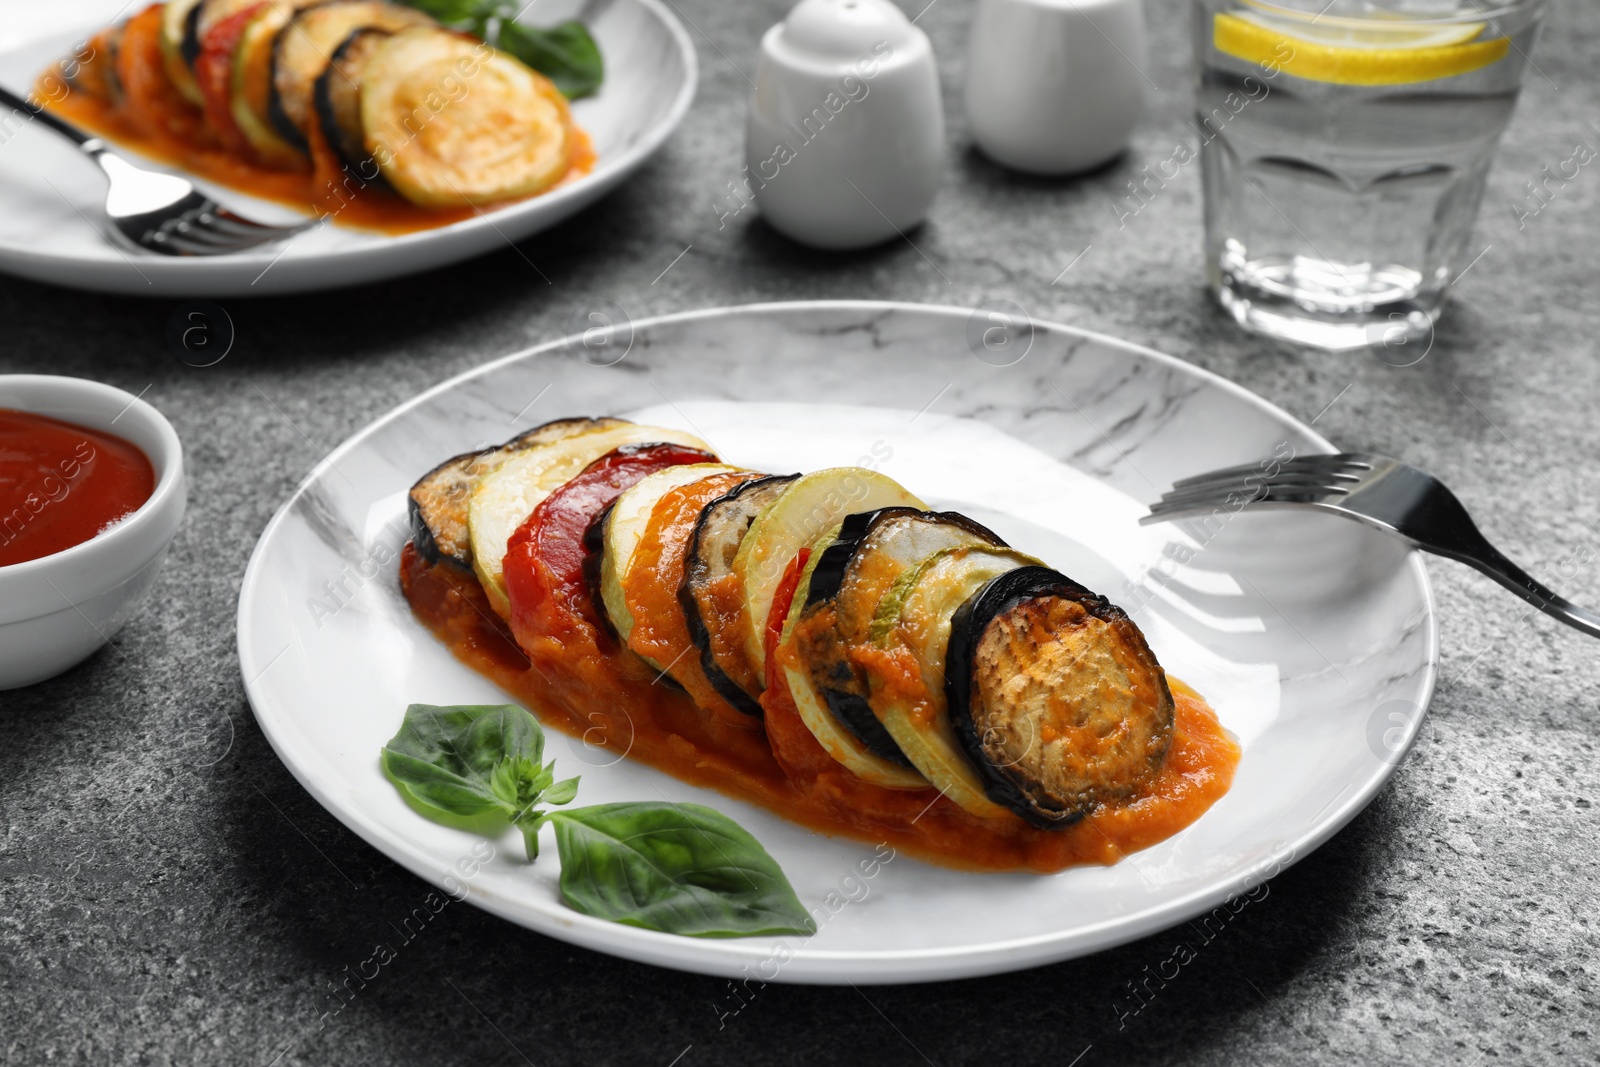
<point x="678" y="868"/>
<point x="566" y="53"/>
<point x="474" y="760"/>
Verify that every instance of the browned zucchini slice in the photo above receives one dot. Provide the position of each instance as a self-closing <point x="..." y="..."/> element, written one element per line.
<point x="250" y="84"/>
<point x="178" y="22"/>
<point x="1055" y="696"/>
<point x="338" y="102"/>
<point x="710" y="595"/>
<point x="439" y="500"/>
<point x="455" y="123"/>
<point x="850" y="577"/>
<point x="303" y="49"/>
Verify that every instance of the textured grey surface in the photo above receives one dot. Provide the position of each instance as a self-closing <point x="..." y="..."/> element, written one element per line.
<point x="156" y="906"/>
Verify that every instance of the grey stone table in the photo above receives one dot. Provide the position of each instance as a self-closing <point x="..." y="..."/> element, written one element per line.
<point x="155" y="912"/>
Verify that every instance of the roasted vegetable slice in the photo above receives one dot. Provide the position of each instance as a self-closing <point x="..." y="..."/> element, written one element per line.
<point x="625" y="523"/>
<point x="712" y="599"/>
<point x="872" y="550"/>
<point x="94" y="70"/>
<point x="904" y="666"/>
<point x="303" y="49"/>
<point x="251" y="85"/>
<point x="439" y="500"/>
<point x="1055" y="696"/>
<point x="870" y="754"/>
<point x="547" y="556"/>
<point x="338" y="102"/>
<point x="653" y="589"/>
<point x="452" y="122"/>
<point x="180" y="44"/>
<point x="809" y="508"/>
<point x="503" y="499"/>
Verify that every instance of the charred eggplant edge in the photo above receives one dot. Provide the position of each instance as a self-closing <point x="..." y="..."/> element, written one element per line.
<point x="967" y="625"/>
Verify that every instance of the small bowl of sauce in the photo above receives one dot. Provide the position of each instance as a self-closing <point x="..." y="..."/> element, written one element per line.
<point x="91" y="494"/>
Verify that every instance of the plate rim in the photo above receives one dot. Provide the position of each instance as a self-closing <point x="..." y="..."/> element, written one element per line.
<point x="833" y="967"/>
<point x="618" y="169"/>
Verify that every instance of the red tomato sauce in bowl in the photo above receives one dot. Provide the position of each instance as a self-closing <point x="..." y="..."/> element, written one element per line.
<point x="62" y="484"/>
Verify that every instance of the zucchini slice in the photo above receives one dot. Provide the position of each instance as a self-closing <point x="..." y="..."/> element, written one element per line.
<point x="337" y="97"/>
<point x="503" y="500"/>
<point x="869" y="755"/>
<point x="1055" y="696"/>
<point x="622" y="527"/>
<point x="179" y="46"/>
<point x="809" y="508"/>
<point x="455" y="123"/>
<point x="713" y="604"/>
<point x="437" y="505"/>
<point x="250" y="84"/>
<point x="302" y="50"/>
<point x="851" y="575"/>
<point x="905" y="666"/>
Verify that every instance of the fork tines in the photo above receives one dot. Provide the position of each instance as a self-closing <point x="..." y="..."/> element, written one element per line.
<point x="1302" y="480"/>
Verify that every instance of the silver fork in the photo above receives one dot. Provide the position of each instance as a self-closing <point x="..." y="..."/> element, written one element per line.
<point x="1376" y="491"/>
<point x="163" y="213"/>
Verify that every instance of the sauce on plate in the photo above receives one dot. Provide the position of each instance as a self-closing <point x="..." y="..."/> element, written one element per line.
<point x="62" y="484"/>
<point x="577" y="681"/>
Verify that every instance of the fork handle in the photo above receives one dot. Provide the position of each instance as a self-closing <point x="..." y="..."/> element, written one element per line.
<point x="37" y="111"/>
<point x="1487" y="558"/>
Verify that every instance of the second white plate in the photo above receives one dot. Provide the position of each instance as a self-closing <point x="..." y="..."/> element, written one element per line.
<point x="1313" y="637"/>
<point x="51" y="197"/>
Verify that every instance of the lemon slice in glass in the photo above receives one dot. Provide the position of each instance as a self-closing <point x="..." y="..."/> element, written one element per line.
<point x="1347" y="51"/>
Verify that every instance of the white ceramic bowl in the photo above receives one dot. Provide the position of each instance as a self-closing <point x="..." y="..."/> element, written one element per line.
<point x="56" y="611"/>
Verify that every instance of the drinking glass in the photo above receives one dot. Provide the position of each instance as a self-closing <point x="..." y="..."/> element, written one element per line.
<point x="1344" y="148"/>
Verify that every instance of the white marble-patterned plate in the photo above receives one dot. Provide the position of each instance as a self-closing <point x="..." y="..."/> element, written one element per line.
<point x="51" y="223"/>
<point x="1313" y="637"/>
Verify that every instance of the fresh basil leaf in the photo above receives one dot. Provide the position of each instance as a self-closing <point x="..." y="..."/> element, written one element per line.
<point x="566" y="54"/>
<point x="456" y="12"/>
<point x="678" y="868"/>
<point x="561" y="792"/>
<point x="471" y="760"/>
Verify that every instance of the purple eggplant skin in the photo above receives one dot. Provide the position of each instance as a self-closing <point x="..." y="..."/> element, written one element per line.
<point x="740" y="497"/>
<point x="1018" y="784"/>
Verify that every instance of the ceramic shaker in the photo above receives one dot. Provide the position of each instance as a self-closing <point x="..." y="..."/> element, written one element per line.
<point x="845" y="140"/>
<point x="1055" y="86"/>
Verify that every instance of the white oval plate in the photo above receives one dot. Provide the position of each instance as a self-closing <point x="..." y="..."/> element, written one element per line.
<point x="51" y="227"/>
<point x="1313" y="637"/>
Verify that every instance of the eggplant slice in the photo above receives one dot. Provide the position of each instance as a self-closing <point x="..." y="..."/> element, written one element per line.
<point x="1055" y="696"/>
<point x="455" y="123"/>
<point x="251" y="84"/>
<point x="303" y="49"/>
<point x="708" y="570"/>
<point x="180" y="45"/>
<point x="439" y="500"/>
<point x="338" y="103"/>
<point x="850" y="577"/>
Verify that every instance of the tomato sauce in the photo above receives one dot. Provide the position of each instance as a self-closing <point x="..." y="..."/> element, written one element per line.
<point x="616" y="703"/>
<point x="62" y="484"/>
<point x="155" y="121"/>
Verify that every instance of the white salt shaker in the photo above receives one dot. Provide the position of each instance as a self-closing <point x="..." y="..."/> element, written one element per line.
<point x="1055" y="86"/>
<point x="845" y="140"/>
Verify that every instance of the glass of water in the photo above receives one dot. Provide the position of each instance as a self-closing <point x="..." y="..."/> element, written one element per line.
<point x="1344" y="147"/>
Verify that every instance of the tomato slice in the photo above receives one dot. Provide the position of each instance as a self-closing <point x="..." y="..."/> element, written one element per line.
<point x="213" y="73"/>
<point x="782" y="601"/>
<point x="544" y="562"/>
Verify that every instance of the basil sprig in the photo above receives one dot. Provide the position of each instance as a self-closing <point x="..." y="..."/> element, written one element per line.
<point x="678" y="868"/>
<point x="565" y="53"/>
<point x="474" y="760"/>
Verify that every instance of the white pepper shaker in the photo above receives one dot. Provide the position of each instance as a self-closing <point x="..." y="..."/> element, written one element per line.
<point x="1055" y="86"/>
<point x="845" y="139"/>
